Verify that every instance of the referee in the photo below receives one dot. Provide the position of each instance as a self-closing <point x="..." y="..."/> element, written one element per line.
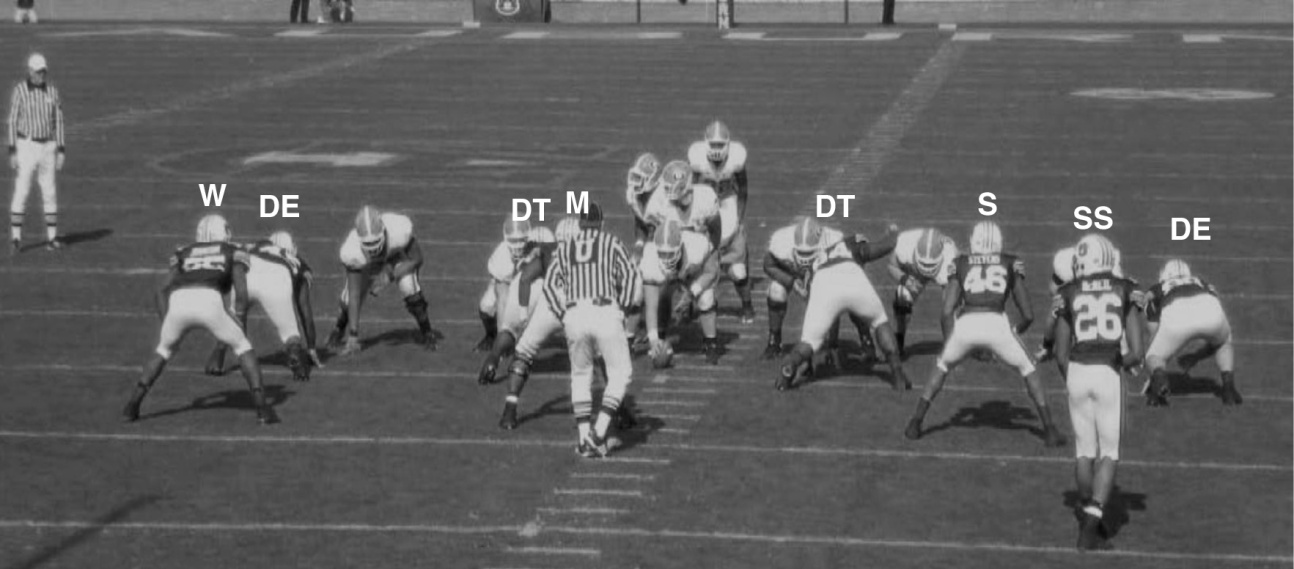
<point x="35" y="147"/>
<point x="590" y="285"/>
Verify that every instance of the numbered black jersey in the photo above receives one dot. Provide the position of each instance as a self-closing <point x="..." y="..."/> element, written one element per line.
<point x="207" y="265"/>
<point x="1167" y="291"/>
<point x="986" y="280"/>
<point x="1096" y="309"/>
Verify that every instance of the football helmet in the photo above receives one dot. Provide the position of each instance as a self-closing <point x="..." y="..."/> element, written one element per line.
<point x="1094" y="255"/>
<point x="677" y="180"/>
<point x="808" y="242"/>
<point x="669" y="245"/>
<point x="213" y="228"/>
<point x="371" y="231"/>
<point x="644" y="174"/>
<point x="516" y="234"/>
<point x="929" y="254"/>
<point x="986" y="239"/>
<point x="1174" y="269"/>
<point x="717" y="139"/>
<point x="568" y="228"/>
<point x="283" y="240"/>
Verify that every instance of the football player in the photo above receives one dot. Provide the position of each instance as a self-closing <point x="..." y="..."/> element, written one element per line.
<point x="1062" y="272"/>
<point x="678" y="263"/>
<point x="380" y="250"/>
<point x="1184" y="312"/>
<point x="921" y="257"/>
<point x="519" y="239"/>
<point x="720" y="162"/>
<point x="979" y="287"/>
<point x="523" y="246"/>
<point x="836" y="283"/>
<point x="278" y="281"/>
<point x="641" y="182"/>
<point x="192" y="297"/>
<point x="1095" y="317"/>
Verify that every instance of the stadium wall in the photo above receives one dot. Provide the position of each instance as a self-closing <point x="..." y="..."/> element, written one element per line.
<point x="701" y="12"/>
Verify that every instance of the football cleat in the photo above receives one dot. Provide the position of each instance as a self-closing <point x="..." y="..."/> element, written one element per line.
<point x="717" y="140"/>
<point x="1230" y="396"/>
<point x="54" y="245"/>
<point x="748" y="314"/>
<point x="913" y="432"/>
<point x="1156" y="390"/>
<point x="298" y="362"/>
<point x="335" y="339"/>
<point x="900" y="381"/>
<point x="486" y="376"/>
<point x="1089" y="534"/>
<point x="428" y="341"/>
<point x="130" y="413"/>
<point x="590" y="446"/>
<point x="773" y="350"/>
<point x="15" y="246"/>
<point x="508" y="421"/>
<point x="266" y="415"/>
<point x="213" y="228"/>
<point x="352" y="346"/>
<point x="986" y="239"/>
<point x="710" y="347"/>
<point x="486" y="344"/>
<point x="1053" y="439"/>
<point x="625" y="419"/>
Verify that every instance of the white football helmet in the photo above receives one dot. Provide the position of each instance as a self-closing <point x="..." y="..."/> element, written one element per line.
<point x="283" y="240"/>
<point x="371" y="231"/>
<point x="986" y="239"/>
<point x="568" y="228"/>
<point x="717" y="139"/>
<point x="1094" y="255"/>
<point x="928" y="257"/>
<point x="1174" y="269"/>
<point x="669" y="245"/>
<point x="213" y="229"/>
<point x="516" y="234"/>
<point x="808" y="242"/>
<point x="676" y="178"/>
<point x="644" y="174"/>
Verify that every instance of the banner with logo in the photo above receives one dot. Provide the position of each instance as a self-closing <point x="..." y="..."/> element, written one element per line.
<point x="511" y="11"/>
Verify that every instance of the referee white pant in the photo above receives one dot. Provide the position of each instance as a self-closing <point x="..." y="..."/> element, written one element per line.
<point x="35" y="159"/>
<point x="591" y="330"/>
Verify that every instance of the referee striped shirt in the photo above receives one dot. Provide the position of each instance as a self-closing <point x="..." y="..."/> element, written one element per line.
<point x="593" y="266"/>
<point x="35" y="112"/>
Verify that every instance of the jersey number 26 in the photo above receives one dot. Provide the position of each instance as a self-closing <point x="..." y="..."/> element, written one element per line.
<point x="1098" y="317"/>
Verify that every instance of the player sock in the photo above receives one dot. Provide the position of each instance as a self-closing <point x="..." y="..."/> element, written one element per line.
<point x="923" y="405"/>
<point x="51" y="226"/>
<point x="416" y="304"/>
<point x="490" y="323"/>
<point x="776" y="314"/>
<point x="15" y="226"/>
<point x="899" y="340"/>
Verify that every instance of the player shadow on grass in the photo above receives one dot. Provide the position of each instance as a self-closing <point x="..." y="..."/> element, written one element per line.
<point x="927" y="348"/>
<point x="1115" y="514"/>
<point x="46" y="554"/>
<point x="1001" y="415"/>
<point x="69" y="240"/>
<point x="1184" y="384"/>
<point x="231" y="399"/>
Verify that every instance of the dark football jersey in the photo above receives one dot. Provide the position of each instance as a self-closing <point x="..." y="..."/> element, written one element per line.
<point x="208" y="265"/>
<point x="1164" y="292"/>
<point x="1096" y="308"/>
<point x="986" y="280"/>
<point x="534" y="268"/>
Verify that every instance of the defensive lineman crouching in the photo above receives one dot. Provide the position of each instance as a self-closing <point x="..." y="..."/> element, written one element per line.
<point x="278" y="281"/>
<point x="520" y="243"/>
<point x="836" y="283"/>
<point x="1095" y="317"/>
<point x="192" y="298"/>
<point x="921" y="257"/>
<point x="380" y="250"/>
<point x="679" y="263"/>
<point x="979" y="288"/>
<point x="1183" y="311"/>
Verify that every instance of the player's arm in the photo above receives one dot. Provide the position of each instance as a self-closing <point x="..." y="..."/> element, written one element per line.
<point x="305" y="309"/>
<point x="866" y="251"/>
<point x="742" y="194"/>
<point x="708" y="276"/>
<point x="1062" y="334"/>
<point x="1132" y="329"/>
<point x="555" y="283"/>
<point x="952" y="300"/>
<point x="1020" y="295"/>
<point x="410" y="261"/>
<point x="714" y="230"/>
<point x="774" y="269"/>
<point x="354" y="284"/>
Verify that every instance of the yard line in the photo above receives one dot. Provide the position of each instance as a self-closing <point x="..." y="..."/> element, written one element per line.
<point x="679" y="390"/>
<point x="256" y="527"/>
<point x="848" y="541"/>
<point x="708" y="449"/>
<point x="613" y="476"/>
<point x="598" y="492"/>
<point x="673" y="416"/>
<point x="701" y="367"/>
<point x="585" y="511"/>
<point x="671" y="431"/>
<point x="672" y="403"/>
<point x="585" y="552"/>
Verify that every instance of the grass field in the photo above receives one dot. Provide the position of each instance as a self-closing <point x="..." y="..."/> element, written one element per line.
<point x="392" y="458"/>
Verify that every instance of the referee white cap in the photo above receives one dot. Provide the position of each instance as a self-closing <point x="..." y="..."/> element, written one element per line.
<point x="37" y="62"/>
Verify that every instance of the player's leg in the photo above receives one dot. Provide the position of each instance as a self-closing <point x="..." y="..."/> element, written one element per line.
<point x="866" y="306"/>
<point x="272" y="290"/>
<point x="543" y="325"/>
<point x="487" y="310"/>
<point x="619" y="369"/>
<point x="1168" y="340"/>
<point x="338" y="334"/>
<point x="1009" y="349"/>
<point x="580" y="344"/>
<point x="416" y="304"/>
<point x="777" y="301"/>
<point x="227" y="331"/>
<point x="955" y="350"/>
<point x="49" y="197"/>
<point x="906" y="292"/>
<point x="1215" y="330"/>
<point x="633" y="321"/>
<point x="826" y="302"/>
<point x="736" y="257"/>
<point x="709" y="320"/>
<point x="175" y="324"/>
<point x="1107" y="401"/>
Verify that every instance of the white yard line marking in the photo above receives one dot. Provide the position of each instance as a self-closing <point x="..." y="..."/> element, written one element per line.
<point x="686" y="390"/>
<point x="847" y="541"/>
<point x="673" y="417"/>
<point x="598" y="492"/>
<point x="702" y="367"/>
<point x="256" y="527"/>
<point x="672" y="431"/>
<point x="584" y="552"/>
<point x="525" y="35"/>
<point x="972" y="36"/>
<point x="709" y="449"/>
<point x="584" y="511"/>
<point x="614" y="476"/>
<point x="1201" y="38"/>
<point x="671" y="403"/>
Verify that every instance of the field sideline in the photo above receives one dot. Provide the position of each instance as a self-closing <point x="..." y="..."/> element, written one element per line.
<point x="392" y="458"/>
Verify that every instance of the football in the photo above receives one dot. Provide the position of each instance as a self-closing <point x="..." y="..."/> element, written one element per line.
<point x="662" y="356"/>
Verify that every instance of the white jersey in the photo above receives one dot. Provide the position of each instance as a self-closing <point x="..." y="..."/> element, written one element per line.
<point x="399" y="233"/>
<point x="696" y="217"/>
<point x="782" y="244"/>
<point x="905" y="256"/>
<point x="722" y="176"/>
<point x="696" y="248"/>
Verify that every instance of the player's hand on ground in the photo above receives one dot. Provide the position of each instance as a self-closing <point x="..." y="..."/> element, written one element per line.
<point x="350" y="347"/>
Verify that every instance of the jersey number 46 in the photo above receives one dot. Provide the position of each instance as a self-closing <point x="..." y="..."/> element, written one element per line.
<point x="991" y="278"/>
